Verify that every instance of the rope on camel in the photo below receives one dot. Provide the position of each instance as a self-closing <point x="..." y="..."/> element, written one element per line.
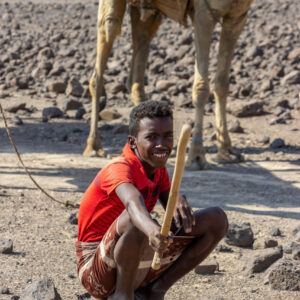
<point x="67" y="203"/>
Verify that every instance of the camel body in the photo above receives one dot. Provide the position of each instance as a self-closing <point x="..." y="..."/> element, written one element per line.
<point x="204" y="14"/>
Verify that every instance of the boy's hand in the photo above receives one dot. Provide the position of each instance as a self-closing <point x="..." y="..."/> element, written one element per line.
<point x="158" y="242"/>
<point x="184" y="215"/>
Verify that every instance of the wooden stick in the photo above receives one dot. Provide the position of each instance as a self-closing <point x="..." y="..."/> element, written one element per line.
<point x="177" y="176"/>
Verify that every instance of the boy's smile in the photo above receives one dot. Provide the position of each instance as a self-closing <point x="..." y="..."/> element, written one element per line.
<point x="154" y="142"/>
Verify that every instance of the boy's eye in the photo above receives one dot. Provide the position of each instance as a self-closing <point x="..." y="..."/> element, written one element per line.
<point x="150" y="136"/>
<point x="169" y="135"/>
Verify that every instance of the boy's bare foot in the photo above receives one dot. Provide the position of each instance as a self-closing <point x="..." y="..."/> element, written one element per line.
<point x="119" y="296"/>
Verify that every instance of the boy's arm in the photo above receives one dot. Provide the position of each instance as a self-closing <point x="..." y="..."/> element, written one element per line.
<point x="134" y="204"/>
<point x="184" y="215"/>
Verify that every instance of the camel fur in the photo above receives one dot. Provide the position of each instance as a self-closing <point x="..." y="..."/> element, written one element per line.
<point x="204" y="14"/>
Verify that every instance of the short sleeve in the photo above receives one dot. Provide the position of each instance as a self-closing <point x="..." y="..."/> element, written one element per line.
<point x="113" y="175"/>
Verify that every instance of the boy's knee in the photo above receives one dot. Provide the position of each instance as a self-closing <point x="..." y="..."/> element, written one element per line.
<point x="220" y="221"/>
<point x="125" y="226"/>
<point x="138" y="235"/>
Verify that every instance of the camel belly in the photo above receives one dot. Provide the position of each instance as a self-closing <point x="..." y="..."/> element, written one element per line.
<point x="173" y="9"/>
<point x="234" y="8"/>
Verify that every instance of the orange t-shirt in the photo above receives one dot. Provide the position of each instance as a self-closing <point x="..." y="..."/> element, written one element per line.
<point x="100" y="205"/>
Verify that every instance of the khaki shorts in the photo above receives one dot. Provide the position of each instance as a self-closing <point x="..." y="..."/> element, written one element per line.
<point x="97" y="269"/>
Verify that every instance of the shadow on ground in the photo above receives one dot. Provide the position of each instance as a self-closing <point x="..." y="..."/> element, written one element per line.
<point x="265" y="188"/>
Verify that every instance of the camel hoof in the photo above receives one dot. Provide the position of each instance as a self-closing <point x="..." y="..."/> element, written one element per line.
<point x="230" y="157"/>
<point x="196" y="164"/>
<point x="90" y="152"/>
<point x="137" y="100"/>
<point x="137" y="94"/>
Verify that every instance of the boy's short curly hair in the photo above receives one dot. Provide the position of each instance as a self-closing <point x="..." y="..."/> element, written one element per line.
<point x="148" y="109"/>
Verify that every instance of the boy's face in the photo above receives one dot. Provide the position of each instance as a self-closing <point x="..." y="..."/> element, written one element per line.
<point x="154" y="142"/>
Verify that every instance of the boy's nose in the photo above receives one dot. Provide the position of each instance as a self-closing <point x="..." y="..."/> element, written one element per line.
<point x="162" y="142"/>
<point x="158" y="142"/>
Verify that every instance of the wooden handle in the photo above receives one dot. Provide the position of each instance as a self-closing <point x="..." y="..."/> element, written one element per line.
<point x="176" y="180"/>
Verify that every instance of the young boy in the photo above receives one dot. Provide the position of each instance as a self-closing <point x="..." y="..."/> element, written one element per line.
<point x="117" y="236"/>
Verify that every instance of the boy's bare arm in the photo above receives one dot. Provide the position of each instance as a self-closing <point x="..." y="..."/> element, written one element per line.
<point x="140" y="217"/>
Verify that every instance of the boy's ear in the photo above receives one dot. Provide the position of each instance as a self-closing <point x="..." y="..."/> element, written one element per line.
<point x="132" y="142"/>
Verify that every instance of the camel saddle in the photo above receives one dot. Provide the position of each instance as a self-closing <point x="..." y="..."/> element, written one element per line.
<point x="173" y="9"/>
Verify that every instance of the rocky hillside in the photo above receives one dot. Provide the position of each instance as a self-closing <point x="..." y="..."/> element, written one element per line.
<point x="46" y="47"/>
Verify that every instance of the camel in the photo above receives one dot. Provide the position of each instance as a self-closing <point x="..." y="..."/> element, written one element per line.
<point x="204" y="15"/>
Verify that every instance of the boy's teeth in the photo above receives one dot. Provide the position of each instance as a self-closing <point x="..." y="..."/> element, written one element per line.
<point x="160" y="155"/>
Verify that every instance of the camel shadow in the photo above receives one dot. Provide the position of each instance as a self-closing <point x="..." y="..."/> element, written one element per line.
<point x="255" y="187"/>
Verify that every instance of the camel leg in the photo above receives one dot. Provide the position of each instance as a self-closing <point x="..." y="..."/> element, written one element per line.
<point x="110" y="16"/>
<point x="142" y="34"/>
<point x="203" y="29"/>
<point x="230" y="33"/>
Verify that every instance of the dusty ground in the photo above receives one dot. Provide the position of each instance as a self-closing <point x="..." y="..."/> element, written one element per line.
<point x="264" y="191"/>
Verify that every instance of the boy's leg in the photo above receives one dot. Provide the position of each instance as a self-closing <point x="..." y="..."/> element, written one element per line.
<point x="127" y="255"/>
<point x="211" y="226"/>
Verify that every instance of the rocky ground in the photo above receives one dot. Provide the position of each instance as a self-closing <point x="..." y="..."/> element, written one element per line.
<point x="47" y="55"/>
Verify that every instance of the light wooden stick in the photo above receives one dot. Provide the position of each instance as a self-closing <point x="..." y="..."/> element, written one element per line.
<point x="178" y="171"/>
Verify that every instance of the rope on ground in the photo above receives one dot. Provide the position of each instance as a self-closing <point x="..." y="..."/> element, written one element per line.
<point x="67" y="203"/>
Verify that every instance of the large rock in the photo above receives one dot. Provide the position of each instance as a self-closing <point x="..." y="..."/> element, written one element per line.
<point x="275" y="231"/>
<point x="235" y="126"/>
<point x="57" y="87"/>
<point x="108" y="115"/>
<point x="73" y="218"/>
<point x="43" y="289"/>
<point x="74" y="88"/>
<point x="15" y="107"/>
<point x="294" y="55"/>
<point x="45" y="53"/>
<point x="261" y="260"/>
<point x="264" y="243"/>
<point x="289" y="247"/>
<point x="21" y="82"/>
<point x="277" y="143"/>
<point x="71" y="104"/>
<point x="38" y="73"/>
<point x="242" y="110"/>
<point x="6" y="246"/>
<point x="254" y="51"/>
<point x="117" y="87"/>
<point x="45" y="65"/>
<point x="267" y="85"/>
<point x="223" y="248"/>
<point x="296" y="252"/>
<point x="291" y="78"/>
<point x="56" y="70"/>
<point x="239" y="235"/>
<point x="80" y="113"/>
<point x="285" y="275"/>
<point x="164" y="85"/>
<point x="52" y="112"/>
<point x="207" y="268"/>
